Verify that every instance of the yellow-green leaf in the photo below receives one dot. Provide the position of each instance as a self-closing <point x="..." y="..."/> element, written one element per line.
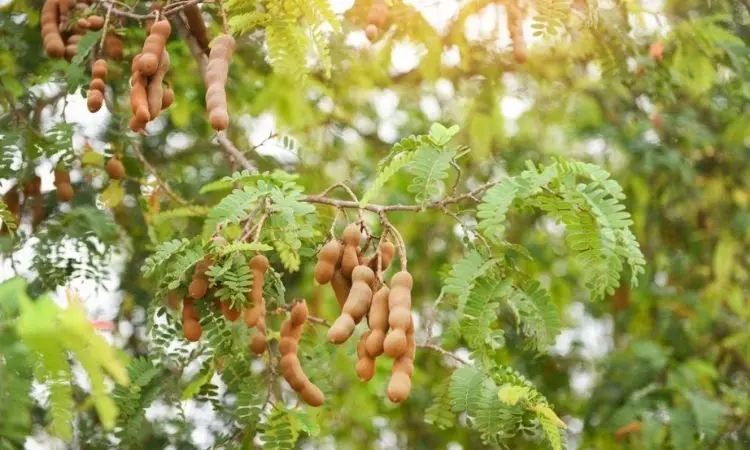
<point x="113" y="195"/>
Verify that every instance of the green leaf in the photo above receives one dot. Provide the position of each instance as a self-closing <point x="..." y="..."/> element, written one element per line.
<point x="198" y="382"/>
<point x="113" y="195"/>
<point x="440" y="135"/>
<point x="709" y="414"/>
<point x="429" y="168"/>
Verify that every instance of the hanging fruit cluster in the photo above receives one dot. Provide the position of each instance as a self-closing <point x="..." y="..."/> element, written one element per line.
<point x="148" y="95"/>
<point x="376" y="19"/>
<point x="361" y="293"/>
<point x="291" y="331"/>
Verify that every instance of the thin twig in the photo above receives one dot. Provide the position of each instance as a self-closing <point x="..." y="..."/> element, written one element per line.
<point x="162" y="184"/>
<point x="171" y="9"/>
<point x="442" y="351"/>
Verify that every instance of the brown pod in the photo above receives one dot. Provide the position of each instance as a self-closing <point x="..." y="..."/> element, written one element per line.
<point x="173" y="300"/>
<point x="95" y="22"/>
<point x="97" y="84"/>
<point x="81" y="25"/>
<point x="299" y="314"/>
<point x="197" y="26"/>
<point x="153" y="47"/>
<point x="288" y="344"/>
<point x="52" y="39"/>
<point x="198" y="287"/>
<point x="94" y="100"/>
<point x="371" y="31"/>
<point x="399" y="317"/>
<point x="99" y="69"/>
<point x="399" y="387"/>
<point x="155" y="90"/>
<point x="33" y="187"/>
<point x="188" y="310"/>
<point x="259" y="264"/>
<point x="63" y="8"/>
<point x="202" y="266"/>
<point x="515" y="29"/>
<point x="113" y="47"/>
<point x="65" y="192"/>
<point x="288" y="330"/>
<point x="61" y="176"/>
<point x="377" y="320"/>
<point x="115" y="168"/>
<point x="229" y="313"/>
<point x="341" y="286"/>
<point x="365" y="363"/>
<point x="216" y="78"/>
<point x="377" y="14"/>
<point x="356" y="306"/>
<point x="387" y="251"/>
<point x="192" y="330"/>
<point x="292" y="372"/>
<point x="312" y="395"/>
<point x="139" y="99"/>
<point x="328" y="257"/>
<point x="168" y="98"/>
<point x="258" y="344"/>
<point x="350" y="258"/>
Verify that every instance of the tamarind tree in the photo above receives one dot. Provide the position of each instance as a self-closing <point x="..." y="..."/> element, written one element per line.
<point x="485" y="185"/>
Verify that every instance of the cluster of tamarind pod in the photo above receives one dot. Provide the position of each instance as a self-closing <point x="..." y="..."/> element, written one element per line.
<point x="61" y="34"/>
<point x="95" y="98"/>
<point x="376" y="19"/>
<point x="360" y="293"/>
<point x="148" y="95"/>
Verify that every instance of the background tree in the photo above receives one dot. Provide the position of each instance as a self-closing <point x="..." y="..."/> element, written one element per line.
<point x="560" y="120"/>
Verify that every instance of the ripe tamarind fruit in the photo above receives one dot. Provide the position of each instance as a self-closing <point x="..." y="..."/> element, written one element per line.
<point x="197" y="26"/>
<point x="95" y="22"/>
<point x="356" y="306"/>
<point x="515" y="29"/>
<point x="65" y="192"/>
<point x="327" y="259"/>
<point x="113" y="47"/>
<point x="216" y="79"/>
<point x="139" y="101"/>
<point x="350" y="257"/>
<point x="63" y="12"/>
<point x="259" y="264"/>
<point x="155" y="91"/>
<point x="51" y="37"/>
<point x="168" y="98"/>
<point x="173" y="300"/>
<point x="399" y="385"/>
<point x="33" y="187"/>
<point x="153" y="47"/>
<point x="229" y="313"/>
<point x="115" y="168"/>
<point x="387" y="251"/>
<point x="198" y="287"/>
<point x="371" y="31"/>
<point x="188" y="310"/>
<point x="94" y="100"/>
<point x="61" y="176"/>
<point x="192" y="330"/>
<point x="365" y="363"/>
<point x="341" y="286"/>
<point x="399" y="317"/>
<point x="377" y="320"/>
<point x="258" y="344"/>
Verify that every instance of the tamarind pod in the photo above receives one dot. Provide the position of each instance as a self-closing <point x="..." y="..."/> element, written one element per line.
<point x="33" y="187"/>
<point x="173" y="300"/>
<point x="113" y="47"/>
<point x="387" y="251"/>
<point x="97" y="84"/>
<point x="299" y="314"/>
<point x="99" y="69"/>
<point x="399" y="318"/>
<point x="342" y="328"/>
<point x="197" y="26"/>
<point x="202" y="266"/>
<point x="65" y="192"/>
<point x="312" y="395"/>
<point x="81" y="26"/>
<point x="192" y="330"/>
<point x="219" y="119"/>
<point x="61" y="176"/>
<point x="328" y="257"/>
<point x="350" y="259"/>
<point x="377" y="14"/>
<point x="258" y="344"/>
<point x="154" y="46"/>
<point x="515" y="30"/>
<point x="95" y="22"/>
<point x="398" y="387"/>
<point x="365" y="369"/>
<point x="288" y="330"/>
<point x="358" y="302"/>
<point x="136" y="125"/>
<point x="372" y="32"/>
<point x="139" y="97"/>
<point x="198" y="287"/>
<point x="292" y="371"/>
<point x="168" y="98"/>
<point x="70" y="51"/>
<point x="63" y="14"/>
<point x="94" y="99"/>
<point x="377" y="320"/>
<point x="188" y="310"/>
<point x="217" y="72"/>
<point x="252" y="315"/>
<point x="341" y="286"/>
<point x="229" y="313"/>
<point x="288" y="345"/>
<point x="259" y="264"/>
<point x="53" y="43"/>
<point x="155" y="91"/>
<point x="134" y="64"/>
<point x="215" y="98"/>
<point x="74" y="39"/>
<point x="404" y="365"/>
<point x="395" y="344"/>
